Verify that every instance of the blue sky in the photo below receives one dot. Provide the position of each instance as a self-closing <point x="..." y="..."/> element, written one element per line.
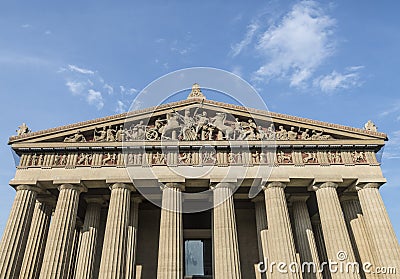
<point x="64" y="62"/>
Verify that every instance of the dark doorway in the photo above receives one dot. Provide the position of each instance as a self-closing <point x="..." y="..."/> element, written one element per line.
<point x="198" y="245"/>
<point x="198" y="258"/>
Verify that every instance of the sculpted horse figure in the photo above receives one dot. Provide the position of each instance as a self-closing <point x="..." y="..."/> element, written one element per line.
<point x="219" y="122"/>
<point x="171" y="126"/>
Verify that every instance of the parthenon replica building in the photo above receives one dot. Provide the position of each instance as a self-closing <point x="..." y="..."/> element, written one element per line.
<point x="197" y="189"/>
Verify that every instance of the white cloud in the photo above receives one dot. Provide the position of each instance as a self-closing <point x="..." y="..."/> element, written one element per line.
<point x="248" y="38"/>
<point x="109" y="88"/>
<point x="392" y="149"/>
<point x="47" y="32"/>
<point x="136" y="105"/>
<point x="75" y="87"/>
<point x="120" y="107"/>
<point x="77" y="69"/>
<point x="237" y="70"/>
<point x="297" y="45"/>
<point x="335" y="80"/>
<point x="355" y="68"/>
<point x="132" y="91"/>
<point x="90" y="82"/>
<point x="394" y="108"/>
<point x="95" y="98"/>
<point x="181" y="47"/>
<point x="26" y="25"/>
<point x="96" y="91"/>
<point x="159" y="40"/>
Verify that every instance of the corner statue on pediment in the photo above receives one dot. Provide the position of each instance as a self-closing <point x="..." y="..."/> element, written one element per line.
<point x="23" y="129"/>
<point x="370" y="126"/>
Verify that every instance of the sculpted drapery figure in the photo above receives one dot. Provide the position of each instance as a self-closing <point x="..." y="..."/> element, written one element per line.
<point x="292" y="135"/>
<point x="78" y="137"/>
<point x="170" y="129"/>
<point x="100" y="135"/>
<point x="249" y="130"/>
<point x="110" y="134"/>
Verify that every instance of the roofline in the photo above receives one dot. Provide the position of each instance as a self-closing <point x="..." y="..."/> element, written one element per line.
<point x="379" y="135"/>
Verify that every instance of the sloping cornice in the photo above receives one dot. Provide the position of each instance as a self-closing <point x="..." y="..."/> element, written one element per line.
<point x="274" y="115"/>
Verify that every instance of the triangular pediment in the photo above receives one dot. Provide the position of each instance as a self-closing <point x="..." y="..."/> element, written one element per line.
<point x="200" y="120"/>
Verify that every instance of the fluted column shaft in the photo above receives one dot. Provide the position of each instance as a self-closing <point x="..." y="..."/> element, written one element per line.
<point x="385" y="243"/>
<point x="281" y="246"/>
<point x="13" y="242"/>
<point x="76" y="240"/>
<point x="132" y="238"/>
<point x="319" y="239"/>
<point x="305" y="236"/>
<point x="334" y="228"/>
<point x="37" y="239"/>
<point x="60" y="240"/>
<point x="261" y="223"/>
<point x="226" y="247"/>
<point x="359" y="236"/>
<point x="113" y="257"/>
<point x="87" y="251"/>
<point x="170" y="247"/>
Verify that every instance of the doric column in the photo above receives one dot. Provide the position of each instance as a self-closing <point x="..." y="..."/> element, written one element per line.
<point x="37" y="239"/>
<point x="226" y="248"/>
<point x="337" y="239"/>
<point x="113" y="257"/>
<point x="319" y="240"/>
<point x="261" y="222"/>
<point x="60" y="240"/>
<point x="385" y="243"/>
<point x="13" y="243"/>
<point x="76" y="240"/>
<point x="132" y="238"/>
<point x="358" y="234"/>
<point x="281" y="246"/>
<point x="87" y="251"/>
<point x="170" y="249"/>
<point x="305" y="236"/>
<point x="100" y="241"/>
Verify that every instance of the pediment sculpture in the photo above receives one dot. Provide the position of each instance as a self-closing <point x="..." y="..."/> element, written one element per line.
<point x="195" y="124"/>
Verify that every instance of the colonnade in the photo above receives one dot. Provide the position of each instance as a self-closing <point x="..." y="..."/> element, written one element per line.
<point x="354" y="228"/>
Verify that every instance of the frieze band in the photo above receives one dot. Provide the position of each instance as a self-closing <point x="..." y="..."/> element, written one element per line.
<point x="199" y="157"/>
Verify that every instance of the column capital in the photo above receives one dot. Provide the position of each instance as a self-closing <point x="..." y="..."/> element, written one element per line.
<point x="28" y="187"/>
<point x="258" y="199"/>
<point x="348" y="197"/>
<point x="371" y="185"/>
<point x="315" y="219"/>
<point x="274" y="184"/>
<point x="324" y="185"/>
<point x="220" y="185"/>
<point x="299" y="198"/>
<point x="79" y="188"/>
<point x="136" y="199"/>
<point x="173" y="185"/>
<point x="94" y="200"/>
<point x="120" y="185"/>
<point x="79" y="223"/>
<point x="48" y="200"/>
